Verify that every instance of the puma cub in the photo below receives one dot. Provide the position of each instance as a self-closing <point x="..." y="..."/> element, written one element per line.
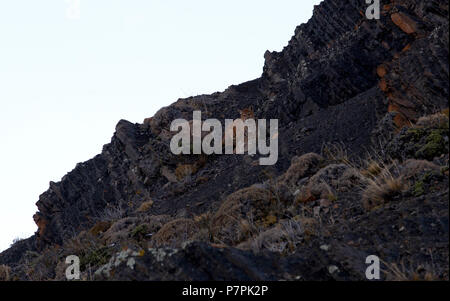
<point x="230" y="131"/>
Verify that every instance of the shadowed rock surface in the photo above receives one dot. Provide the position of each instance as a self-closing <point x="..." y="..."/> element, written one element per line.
<point x="345" y="86"/>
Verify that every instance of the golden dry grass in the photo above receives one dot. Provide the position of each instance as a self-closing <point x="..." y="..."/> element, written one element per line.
<point x="100" y="227"/>
<point x="301" y="167"/>
<point x="146" y="206"/>
<point x="176" y="232"/>
<point x="336" y="153"/>
<point x="373" y="169"/>
<point x="399" y="272"/>
<point x="282" y="238"/>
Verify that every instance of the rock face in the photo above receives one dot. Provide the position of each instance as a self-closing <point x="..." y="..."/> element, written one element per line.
<point x="341" y="79"/>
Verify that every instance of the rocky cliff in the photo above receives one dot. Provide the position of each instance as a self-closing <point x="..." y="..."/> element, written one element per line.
<point x="362" y="169"/>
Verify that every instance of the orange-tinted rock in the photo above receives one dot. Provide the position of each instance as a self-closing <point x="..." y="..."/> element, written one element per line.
<point x="405" y="23"/>
<point x="41" y="223"/>
<point x="381" y="71"/>
<point x="400" y="120"/>
<point x="401" y="101"/>
<point x="387" y="7"/>
<point x="383" y="85"/>
<point x="406" y="48"/>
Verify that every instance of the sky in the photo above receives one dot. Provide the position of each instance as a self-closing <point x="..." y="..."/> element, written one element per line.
<point x="71" y="69"/>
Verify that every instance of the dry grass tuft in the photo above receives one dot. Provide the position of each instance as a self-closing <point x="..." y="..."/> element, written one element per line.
<point x="176" y="232"/>
<point x="382" y="189"/>
<point x="445" y="112"/>
<point x="336" y="153"/>
<point x="203" y="220"/>
<point x="242" y="213"/>
<point x="398" y="272"/>
<point x="112" y="213"/>
<point x="5" y="273"/>
<point x="283" y="238"/>
<point x="82" y="243"/>
<point x="373" y="169"/>
<point x="300" y="168"/>
<point x="435" y="121"/>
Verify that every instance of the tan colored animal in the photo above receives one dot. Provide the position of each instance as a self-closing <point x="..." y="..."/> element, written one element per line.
<point x="230" y="131"/>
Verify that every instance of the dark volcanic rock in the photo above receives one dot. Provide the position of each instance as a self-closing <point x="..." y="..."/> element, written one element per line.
<point x="15" y="253"/>
<point x="323" y="87"/>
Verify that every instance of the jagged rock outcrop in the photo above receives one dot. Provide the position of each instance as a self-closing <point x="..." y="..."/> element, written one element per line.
<point x="341" y="79"/>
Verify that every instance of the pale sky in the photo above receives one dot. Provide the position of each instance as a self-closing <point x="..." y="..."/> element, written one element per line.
<point x="67" y="76"/>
